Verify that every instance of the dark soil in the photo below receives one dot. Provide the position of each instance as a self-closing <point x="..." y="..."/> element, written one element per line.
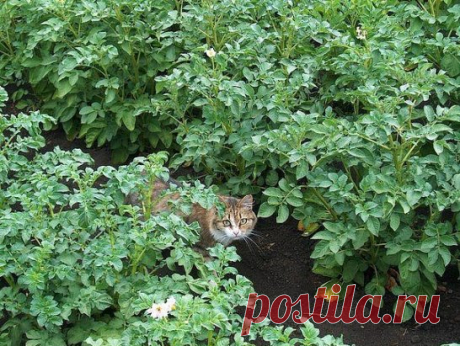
<point x="279" y="263"/>
<point x="57" y="138"/>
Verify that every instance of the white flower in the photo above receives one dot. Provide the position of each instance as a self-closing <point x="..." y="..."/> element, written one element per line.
<point x="171" y="303"/>
<point x="360" y="34"/>
<point x="158" y="311"/>
<point x="211" y="53"/>
<point x="162" y="310"/>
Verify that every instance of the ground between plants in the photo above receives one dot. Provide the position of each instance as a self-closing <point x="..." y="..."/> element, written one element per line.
<point x="280" y="264"/>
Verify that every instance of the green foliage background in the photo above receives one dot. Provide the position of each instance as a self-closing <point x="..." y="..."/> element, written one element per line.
<point x="354" y="134"/>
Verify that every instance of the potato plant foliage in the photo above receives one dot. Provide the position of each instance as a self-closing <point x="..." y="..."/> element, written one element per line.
<point x="343" y="113"/>
<point x="78" y="266"/>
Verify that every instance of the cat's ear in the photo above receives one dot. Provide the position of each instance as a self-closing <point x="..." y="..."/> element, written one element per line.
<point x="246" y="202"/>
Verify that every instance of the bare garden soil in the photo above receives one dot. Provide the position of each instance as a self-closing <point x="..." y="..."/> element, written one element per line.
<point x="279" y="263"/>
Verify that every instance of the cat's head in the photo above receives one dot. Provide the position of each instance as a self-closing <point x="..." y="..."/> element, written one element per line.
<point x="237" y="222"/>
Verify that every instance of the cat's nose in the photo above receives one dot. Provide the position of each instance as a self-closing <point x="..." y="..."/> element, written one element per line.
<point x="236" y="232"/>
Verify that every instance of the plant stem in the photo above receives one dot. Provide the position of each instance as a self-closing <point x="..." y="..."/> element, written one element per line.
<point x="396" y="163"/>
<point x="408" y="153"/>
<point x="372" y="141"/>
<point x="327" y="205"/>
<point x="137" y="259"/>
<point x="10" y="281"/>
<point x="350" y="177"/>
<point x="210" y="338"/>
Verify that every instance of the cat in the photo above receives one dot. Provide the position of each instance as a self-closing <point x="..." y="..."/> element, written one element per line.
<point x="237" y="222"/>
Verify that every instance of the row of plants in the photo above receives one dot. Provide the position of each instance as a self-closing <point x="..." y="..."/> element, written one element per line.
<point x="79" y="266"/>
<point x="343" y="113"/>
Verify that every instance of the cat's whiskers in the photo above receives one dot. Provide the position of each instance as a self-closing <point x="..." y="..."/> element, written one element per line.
<point x="256" y="234"/>
<point x="248" y="245"/>
<point x="248" y="240"/>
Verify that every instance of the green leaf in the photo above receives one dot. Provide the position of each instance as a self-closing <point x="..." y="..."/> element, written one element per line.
<point x="429" y="113"/>
<point x="456" y="181"/>
<point x="272" y="178"/>
<point x="266" y="210"/>
<point x="404" y="205"/>
<point x="324" y="235"/>
<point x="395" y="221"/>
<point x="373" y="225"/>
<point x="445" y="254"/>
<point x="273" y="192"/>
<point x="62" y="88"/>
<point x="350" y="268"/>
<point x="294" y="201"/>
<point x="413" y="197"/>
<point x="129" y="120"/>
<point x="448" y="240"/>
<point x="283" y="214"/>
<point x="451" y="64"/>
<point x="428" y="244"/>
<point x="120" y="155"/>
<point x="360" y="237"/>
<point x="376" y="287"/>
<point x="284" y="185"/>
<point x="438" y="147"/>
<point x="408" y="312"/>
<point x="301" y="170"/>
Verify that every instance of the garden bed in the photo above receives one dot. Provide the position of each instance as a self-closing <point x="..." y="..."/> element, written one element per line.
<point x="341" y="115"/>
<point x="279" y="264"/>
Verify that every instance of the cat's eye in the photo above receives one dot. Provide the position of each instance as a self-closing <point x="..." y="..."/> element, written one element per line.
<point x="226" y="223"/>
<point x="243" y="221"/>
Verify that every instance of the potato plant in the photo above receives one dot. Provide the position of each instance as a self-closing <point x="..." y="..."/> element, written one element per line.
<point x="79" y="266"/>
<point x="354" y="130"/>
<point x="93" y="65"/>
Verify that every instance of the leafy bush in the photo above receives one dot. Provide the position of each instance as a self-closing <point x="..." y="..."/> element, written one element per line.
<point x="354" y="128"/>
<point x="93" y="65"/>
<point x="343" y="113"/>
<point x="80" y="267"/>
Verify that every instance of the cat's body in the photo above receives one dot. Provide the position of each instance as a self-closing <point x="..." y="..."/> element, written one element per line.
<point x="237" y="222"/>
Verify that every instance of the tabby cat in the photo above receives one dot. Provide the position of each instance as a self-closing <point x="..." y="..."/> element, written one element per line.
<point x="237" y="222"/>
